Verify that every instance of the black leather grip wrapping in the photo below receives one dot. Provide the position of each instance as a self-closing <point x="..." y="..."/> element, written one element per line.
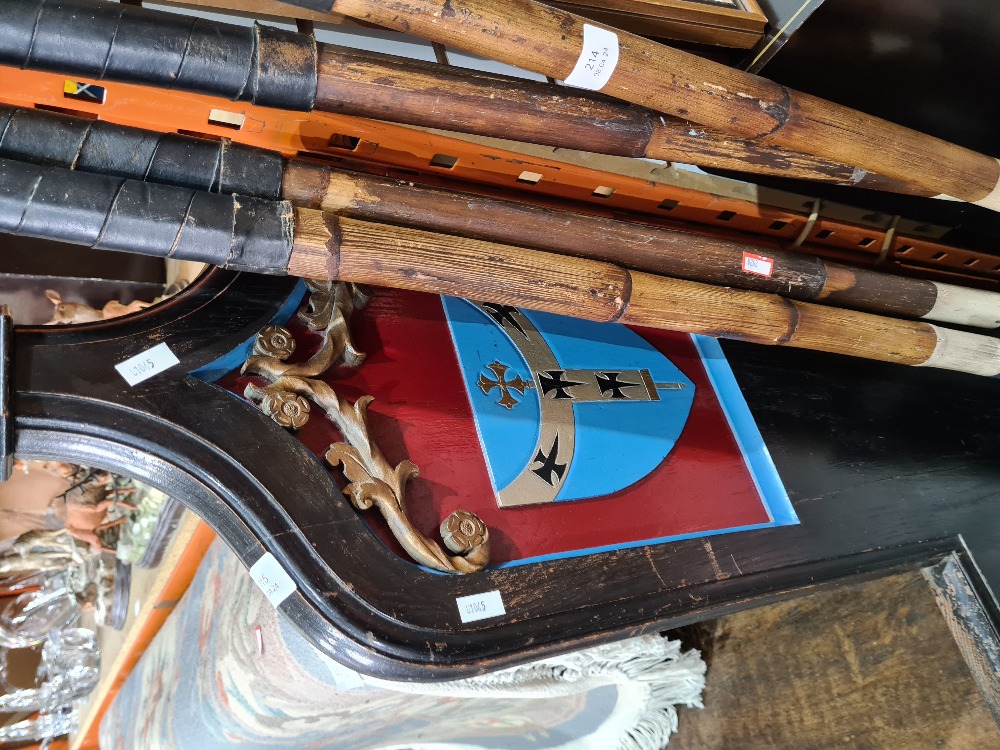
<point x="98" y="39"/>
<point x="47" y="138"/>
<point x="112" y="213"/>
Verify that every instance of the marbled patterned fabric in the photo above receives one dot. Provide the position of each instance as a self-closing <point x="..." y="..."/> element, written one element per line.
<point x="204" y="684"/>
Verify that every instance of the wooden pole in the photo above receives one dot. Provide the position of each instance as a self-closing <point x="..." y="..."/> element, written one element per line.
<point x="412" y="92"/>
<point x="96" y="147"/>
<point x="658" y="250"/>
<point x="327" y="246"/>
<point x="565" y="46"/>
<point x="287" y="70"/>
<point x="262" y="236"/>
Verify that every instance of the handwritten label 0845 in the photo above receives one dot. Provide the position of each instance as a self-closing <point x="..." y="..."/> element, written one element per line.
<point x="272" y="579"/>
<point x="480" y="606"/>
<point x="147" y="364"/>
<point x="597" y="61"/>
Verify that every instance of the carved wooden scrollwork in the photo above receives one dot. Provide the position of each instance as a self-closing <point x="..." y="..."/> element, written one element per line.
<point x="372" y="479"/>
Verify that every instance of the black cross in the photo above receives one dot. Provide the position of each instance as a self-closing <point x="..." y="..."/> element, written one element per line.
<point x="608" y="381"/>
<point x="553" y="380"/>
<point x="548" y="464"/>
<point x="504" y="314"/>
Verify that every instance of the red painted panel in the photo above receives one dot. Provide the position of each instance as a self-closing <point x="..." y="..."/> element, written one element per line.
<point x="421" y="412"/>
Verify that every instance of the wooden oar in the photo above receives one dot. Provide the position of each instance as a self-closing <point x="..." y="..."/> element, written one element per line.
<point x="367" y="84"/>
<point x="252" y="234"/>
<point x="567" y="47"/>
<point x="295" y="73"/>
<point x="95" y="146"/>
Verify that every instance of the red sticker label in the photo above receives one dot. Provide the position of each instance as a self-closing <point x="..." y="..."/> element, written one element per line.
<point x="758" y="264"/>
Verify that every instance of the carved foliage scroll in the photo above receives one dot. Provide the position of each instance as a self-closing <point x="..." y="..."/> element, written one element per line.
<point x="372" y="479"/>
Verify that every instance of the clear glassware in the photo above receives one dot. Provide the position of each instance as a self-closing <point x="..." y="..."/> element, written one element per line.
<point x="69" y="669"/>
<point x="53" y="695"/>
<point x="32" y="616"/>
<point x="42" y="727"/>
<point x="68" y="645"/>
<point x="16" y="583"/>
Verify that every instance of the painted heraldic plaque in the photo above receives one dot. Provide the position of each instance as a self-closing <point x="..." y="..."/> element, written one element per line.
<point x="566" y="437"/>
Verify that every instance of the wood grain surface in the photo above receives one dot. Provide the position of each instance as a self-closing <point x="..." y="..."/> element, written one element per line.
<point x="548" y="41"/>
<point x="666" y="27"/>
<point x="659" y="250"/>
<point x="328" y="246"/>
<point x="867" y="666"/>
<point x="368" y="84"/>
<point x="678" y="305"/>
<point x="456" y="266"/>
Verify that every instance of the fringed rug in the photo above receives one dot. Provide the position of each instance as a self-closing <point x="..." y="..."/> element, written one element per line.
<point x="226" y="670"/>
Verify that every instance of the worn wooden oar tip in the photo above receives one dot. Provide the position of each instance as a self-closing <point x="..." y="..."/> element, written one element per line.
<point x="964" y="306"/>
<point x="965" y="352"/>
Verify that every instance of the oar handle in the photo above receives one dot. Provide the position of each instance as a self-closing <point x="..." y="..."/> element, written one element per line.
<point x="659" y="250"/>
<point x="259" y="64"/>
<point x="277" y="68"/>
<point x="263" y="236"/>
<point x="414" y="92"/>
<point x="328" y="246"/>
<point x="222" y="166"/>
<point x="565" y="46"/>
<point x="111" y="213"/>
<point x="101" y="147"/>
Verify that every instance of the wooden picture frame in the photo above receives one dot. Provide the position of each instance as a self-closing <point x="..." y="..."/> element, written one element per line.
<point x="724" y="23"/>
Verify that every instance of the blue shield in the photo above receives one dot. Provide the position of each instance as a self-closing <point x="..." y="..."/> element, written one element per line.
<point x="565" y="409"/>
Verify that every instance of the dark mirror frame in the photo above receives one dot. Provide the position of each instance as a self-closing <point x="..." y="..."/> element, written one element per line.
<point x="888" y="468"/>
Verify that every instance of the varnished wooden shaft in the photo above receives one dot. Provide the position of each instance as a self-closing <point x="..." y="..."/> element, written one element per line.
<point x="655" y="249"/>
<point x="333" y="247"/>
<point x="769" y="319"/>
<point x="674" y="140"/>
<point x="328" y="246"/>
<point x="549" y="41"/>
<point x="368" y="84"/>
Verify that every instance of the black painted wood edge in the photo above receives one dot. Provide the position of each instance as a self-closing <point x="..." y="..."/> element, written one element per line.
<point x="955" y="583"/>
<point x="6" y="418"/>
<point x="398" y="653"/>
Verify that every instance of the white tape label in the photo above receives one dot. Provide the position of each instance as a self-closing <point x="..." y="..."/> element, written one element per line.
<point x="144" y="366"/>
<point x="480" y="606"/>
<point x="597" y="59"/>
<point x="758" y="264"/>
<point x="272" y="579"/>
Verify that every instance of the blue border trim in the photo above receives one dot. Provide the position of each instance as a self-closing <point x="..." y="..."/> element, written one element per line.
<point x="755" y="453"/>
<point x="627" y="545"/>
<point x="235" y="358"/>
<point x="751" y="444"/>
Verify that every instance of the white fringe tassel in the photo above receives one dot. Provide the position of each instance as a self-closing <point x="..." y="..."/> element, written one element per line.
<point x="652" y="663"/>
